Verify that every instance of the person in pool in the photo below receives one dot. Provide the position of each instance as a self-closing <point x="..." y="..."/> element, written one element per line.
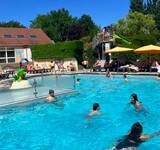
<point x="95" y="110"/>
<point x="51" y="97"/>
<point x="134" y="138"/>
<point x="108" y="74"/>
<point x="135" y="102"/>
<point x="78" y="81"/>
<point x="125" y="77"/>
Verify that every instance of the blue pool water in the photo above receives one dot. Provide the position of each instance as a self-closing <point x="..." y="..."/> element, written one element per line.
<point x="45" y="126"/>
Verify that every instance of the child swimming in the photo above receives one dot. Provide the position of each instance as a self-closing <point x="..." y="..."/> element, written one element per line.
<point x="134" y="138"/>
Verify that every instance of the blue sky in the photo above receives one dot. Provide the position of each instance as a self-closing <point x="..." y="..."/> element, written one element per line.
<point x="103" y="12"/>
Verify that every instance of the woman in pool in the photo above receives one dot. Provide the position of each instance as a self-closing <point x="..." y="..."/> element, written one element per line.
<point x="134" y="138"/>
<point x="95" y="110"/>
<point x="135" y="102"/>
<point x="51" y="97"/>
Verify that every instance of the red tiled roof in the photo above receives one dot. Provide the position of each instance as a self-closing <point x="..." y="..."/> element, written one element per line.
<point x="41" y="37"/>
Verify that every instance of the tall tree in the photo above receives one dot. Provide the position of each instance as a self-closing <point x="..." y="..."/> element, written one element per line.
<point x="138" y="28"/>
<point x="136" y="6"/>
<point x="55" y="23"/>
<point x="60" y="25"/>
<point x="12" y="24"/>
<point x="153" y="8"/>
<point x="89" y="27"/>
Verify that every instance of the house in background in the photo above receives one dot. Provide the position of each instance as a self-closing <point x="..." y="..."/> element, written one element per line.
<point x="15" y="43"/>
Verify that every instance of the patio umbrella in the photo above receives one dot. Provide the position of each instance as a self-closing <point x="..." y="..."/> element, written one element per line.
<point x="119" y="50"/>
<point x="149" y="49"/>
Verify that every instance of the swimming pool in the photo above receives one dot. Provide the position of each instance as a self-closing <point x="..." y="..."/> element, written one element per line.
<point x="45" y="126"/>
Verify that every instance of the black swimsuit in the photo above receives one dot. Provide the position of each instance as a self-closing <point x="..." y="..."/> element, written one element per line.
<point x="128" y="142"/>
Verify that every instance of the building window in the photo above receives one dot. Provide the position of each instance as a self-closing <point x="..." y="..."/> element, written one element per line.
<point x="8" y="36"/>
<point x="20" y="36"/>
<point x="33" y="36"/>
<point x="7" y="55"/>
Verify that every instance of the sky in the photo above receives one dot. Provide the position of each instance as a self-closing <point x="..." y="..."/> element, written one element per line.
<point x="103" y="12"/>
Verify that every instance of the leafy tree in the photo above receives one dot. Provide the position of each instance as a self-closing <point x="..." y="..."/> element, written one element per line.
<point x="74" y="32"/>
<point x="89" y="27"/>
<point x="134" y="31"/>
<point x="11" y="24"/>
<point x="61" y="26"/>
<point x="136" y="6"/>
<point x="54" y="23"/>
<point x="136" y="24"/>
<point x="153" y="8"/>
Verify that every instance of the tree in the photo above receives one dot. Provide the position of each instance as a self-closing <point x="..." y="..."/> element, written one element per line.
<point x="88" y="26"/>
<point x="54" y="24"/>
<point x="11" y="24"/>
<point x="75" y="32"/>
<point x="136" y="24"/>
<point x="136" y="6"/>
<point x="153" y="8"/>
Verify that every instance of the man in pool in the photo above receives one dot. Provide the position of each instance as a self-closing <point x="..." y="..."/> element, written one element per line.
<point x="51" y="97"/>
<point x="134" y="138"/>
<point x="95" y="110"/>
<point x="135" y="102"/>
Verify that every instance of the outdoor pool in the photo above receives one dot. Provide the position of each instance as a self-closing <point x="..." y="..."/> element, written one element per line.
<point x="45" y="126"/>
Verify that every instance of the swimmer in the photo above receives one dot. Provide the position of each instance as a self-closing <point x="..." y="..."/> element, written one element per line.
<point x="78" y="81"/>
<point x="135" y="102"/>
<point x="125" y="77"/>
<point x="51" y="97"/>
<point x="134" y="138"/>
<point x="95" y="110"/>
<point x="108" y="75"/>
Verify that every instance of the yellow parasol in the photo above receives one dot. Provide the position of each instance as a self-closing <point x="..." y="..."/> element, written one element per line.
<point x="118" y="50"/>
<point x="149" y="49"/>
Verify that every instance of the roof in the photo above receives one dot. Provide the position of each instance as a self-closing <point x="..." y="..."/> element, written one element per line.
<point x="22" y="37"/>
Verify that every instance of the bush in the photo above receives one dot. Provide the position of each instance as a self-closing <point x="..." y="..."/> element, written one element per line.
<point x="69" y="49"/>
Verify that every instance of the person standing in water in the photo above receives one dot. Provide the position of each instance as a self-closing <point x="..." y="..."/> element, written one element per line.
<point x="134" y="138"/>
<point x="135" y="102"/>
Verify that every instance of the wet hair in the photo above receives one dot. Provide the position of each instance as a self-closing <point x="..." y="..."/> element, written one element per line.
<point x="135" y="98"/>
<point x="51" y="93"/>
<point x="78" y="79"/>
<point x="136" y="131"/>
<point x="95" y="106"/>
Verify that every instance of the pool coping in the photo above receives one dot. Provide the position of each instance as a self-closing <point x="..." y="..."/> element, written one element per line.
<point x="94" y="73"/>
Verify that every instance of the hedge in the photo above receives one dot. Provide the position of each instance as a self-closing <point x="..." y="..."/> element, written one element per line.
<point x="68" y="49"/>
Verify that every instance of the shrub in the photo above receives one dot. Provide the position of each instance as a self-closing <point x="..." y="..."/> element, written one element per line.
<point x="69" y="49"/>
